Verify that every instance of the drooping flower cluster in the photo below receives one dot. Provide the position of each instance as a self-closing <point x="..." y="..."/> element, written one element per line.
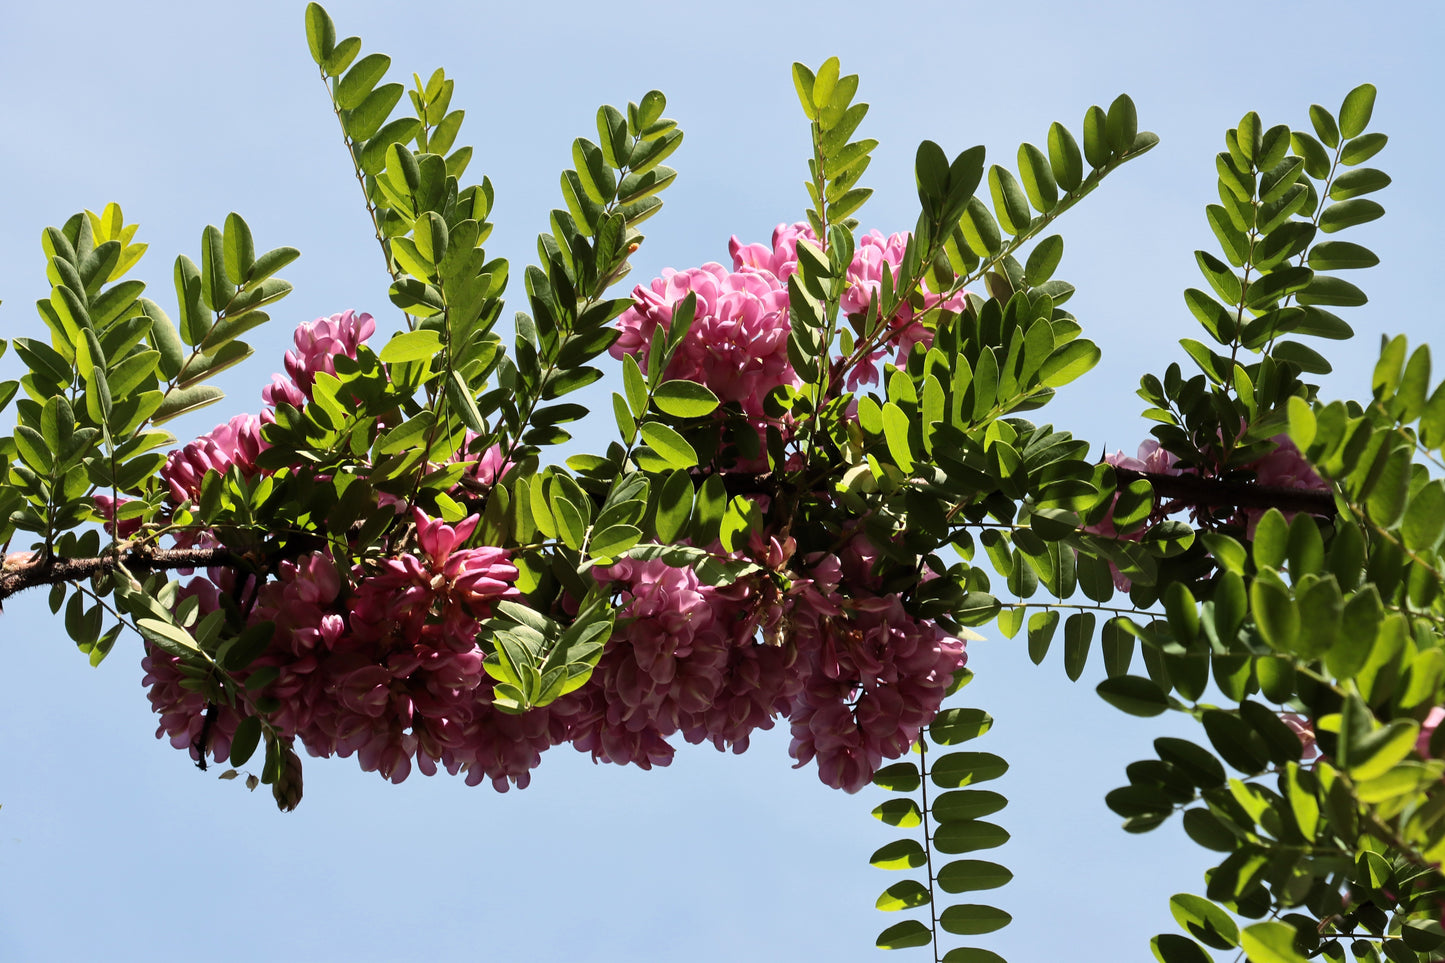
<point x="385" y="658"/>
<point x="855" y="674"/>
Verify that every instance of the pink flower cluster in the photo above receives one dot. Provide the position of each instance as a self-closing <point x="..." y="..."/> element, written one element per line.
<point x="239" y="441"/>
<point x="385" y="663"/>
<point x="738" y="343"/>
<point x="384" y="659"/>
<point x="855" y="674"/>
<point x="317" y="345"/>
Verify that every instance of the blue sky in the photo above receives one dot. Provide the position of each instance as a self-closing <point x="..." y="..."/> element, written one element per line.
<point x="113" y="847"/>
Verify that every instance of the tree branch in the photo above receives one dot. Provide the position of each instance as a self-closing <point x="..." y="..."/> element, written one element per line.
<point x="1213" y="491"/>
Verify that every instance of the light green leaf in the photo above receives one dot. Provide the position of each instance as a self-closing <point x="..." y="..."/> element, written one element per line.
<point x="685" y="399"/>
<point x="418" y="345"/>
<point x="1271" y="942"/>
<point x="670" y="445"/>
<point x="1355" y="111"/>
<point x="171" y="638"/>
<point x="360" y="80"/>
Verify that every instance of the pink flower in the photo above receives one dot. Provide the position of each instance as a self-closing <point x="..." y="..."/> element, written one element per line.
<point x="1300" y="726"/>
<point x="183" y="710"/>
<point x="107" y="508"/>
<point x="237" y="442"/>
<point x="317" y="345"/>
<point x="1427" y="729"/>
<point x="781" y="260"/>
<point x="738" y="342"/>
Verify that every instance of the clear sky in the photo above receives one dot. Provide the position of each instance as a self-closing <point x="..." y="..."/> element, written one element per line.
<point x="113" y="847"/>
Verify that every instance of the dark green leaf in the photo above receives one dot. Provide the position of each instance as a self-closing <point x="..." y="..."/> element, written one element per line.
<point x="1133" y="694"/>
<point x="972" y="919"/>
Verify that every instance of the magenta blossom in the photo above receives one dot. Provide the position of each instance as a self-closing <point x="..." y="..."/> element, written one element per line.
<point x="1427" y="729"/>
<point x="738" y="342"/>
<point x="317" y="345"/>
<point x="237" y="442"/>
<point x="1300" y="726"/>
<point x="781" y="260"/>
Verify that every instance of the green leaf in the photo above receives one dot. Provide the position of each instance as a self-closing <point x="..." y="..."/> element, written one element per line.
<point x="970" y="875"/>
<point x="669" y="445"/>
<point x="1271" y="942"/>
<point x="1078" y="635"/>
<point x="1362" y="148"/>
<point x="899" y="854"/>
<point x="464" y="404"/>
<point x="1038" y="178"/>
<point x="269" y="263"/>
<point x="1041" y="634"/>
<point x="1376" y="753"/>
<point x="614" y="540"/>
<point x="171" y="638"/>
<point x="1044" y="259"/>
<point x="953" y="726"/>
<point x="964" y="804"/>
<point x="1275" y="614"/>
<point x="1134" y="694"/>
<point x="895" y="432"/>
<point x="1343" y="214"/>
<point x="1324" y="125"/>
<point x="980" y="230"/>
<point x="1069" y="362"/>
<point x="968" y="836"/>
<point x="1204" y="921"/>
<point x="901" y="812"/>
<point x="908" y="933"/>
<point x="1355" y="111"/>
<point x="360" y="80"/>
<point x="341" y="56"/>
<point x="1096" y="137"/>
<point x="1010" y="204"/>
<point x="363" y="122"/>
<point x="245" y="740"/>
<point x="1331" y="291"/>
<point x="635" y="386"/>
<point x="1424" y="521"/>
<point x="320" y="33"/>
<point x="1363" y="180"/>
<point x="1064" y="159"/>
<point x="968" y="919"/>
<point x="240" y="250"/>
<point x="685" y="399"/>
<point x="905" y="894"/>
<point x="1340" y="256"/>
<point x="1173" y="948"/>
<point x="178" y="401"/>
<point x="418" y="345"/>
<point x="959" y="769"/>
<point x="1122" y="124"/>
